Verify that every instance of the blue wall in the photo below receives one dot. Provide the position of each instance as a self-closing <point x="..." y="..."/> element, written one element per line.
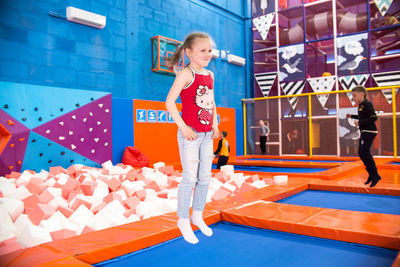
<point x="37" y="48"/>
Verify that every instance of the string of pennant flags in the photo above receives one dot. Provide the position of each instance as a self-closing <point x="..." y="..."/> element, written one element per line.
<point x="326" y="84"/>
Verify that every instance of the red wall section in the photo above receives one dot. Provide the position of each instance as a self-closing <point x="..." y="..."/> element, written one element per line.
<point x="158" y="140"/>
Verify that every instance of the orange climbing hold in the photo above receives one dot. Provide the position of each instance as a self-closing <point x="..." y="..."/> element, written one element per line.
<point x="12" y="145"/>
<point x="10" y="122"/>
<point x="21" y="139"/>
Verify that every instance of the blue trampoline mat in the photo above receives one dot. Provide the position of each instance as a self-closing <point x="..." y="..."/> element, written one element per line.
<point x="395" y="163"/>
<point x="346" y="201"/>
<point x="303" y="160"/>
<point x="239" y="245"/>
<point x="275" y="169"/>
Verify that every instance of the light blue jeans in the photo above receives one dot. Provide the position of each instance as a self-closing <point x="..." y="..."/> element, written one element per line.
<point x="196" y="159"/>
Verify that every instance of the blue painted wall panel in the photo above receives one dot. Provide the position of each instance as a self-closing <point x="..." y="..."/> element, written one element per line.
<point x="122" y="126"/>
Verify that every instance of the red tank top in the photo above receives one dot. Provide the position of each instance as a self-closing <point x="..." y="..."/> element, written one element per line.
<point x="198" y="102"/>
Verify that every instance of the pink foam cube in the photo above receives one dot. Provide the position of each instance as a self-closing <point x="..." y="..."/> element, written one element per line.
<point x="269" y="181"/>
<point x="45" y="197"/>
<point x="88" y="188"/>
<point x="30" y="202"/>
<point x="9" y="245"/>
<point x="57" y="170"/>
<point x="15" y="175"/>
<point x="129" y="213"/>
<point x="40" y="212"/>
<point x="67" y="212"/>
<point x="253" y="178"/>
<point x="99" y="207"/>
<point x="131" y="175"/>
<point x="62" y="234"/>
<point x="132" y="202"/>
<point x="152" y="185"/>
<point x="141" y="194"/>
<point x="246" y="187"/>
<point x="112" y="196"/>
<point x="79" y="201"/>
<point x="221" y="193"/>
<point x="163" y="194"/>
<point x="113" y="184"/>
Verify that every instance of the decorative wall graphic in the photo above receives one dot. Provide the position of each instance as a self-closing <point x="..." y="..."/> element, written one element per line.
<point x="12" y="154"/>
<point x="263" y="24"/>
<point x="322" y="84"/>
<point x="86" y="131"/>
<point x="34" y="105"/>
<point x="43" y="153"/>
<point x="387" y="79"/>
<point x="293" y="88"/>
<point x="348" y="82"/>
<point x="291" y="59"/>
<point x="383" y="5"/>
<point x="352" y="54"/>
<point x="265" y="81"/>
<point x="262" y="7"/>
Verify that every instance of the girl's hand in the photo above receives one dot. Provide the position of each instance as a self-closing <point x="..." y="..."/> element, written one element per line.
<point x="215" y="134"/>
<point x="356" y="123"/>
<point x="188" y="133"/>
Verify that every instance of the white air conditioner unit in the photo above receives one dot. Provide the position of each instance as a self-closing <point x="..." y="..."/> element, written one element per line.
<point x="236" y="60"/>
<point x="85" y="17"/>
<point x="215" y="53"/>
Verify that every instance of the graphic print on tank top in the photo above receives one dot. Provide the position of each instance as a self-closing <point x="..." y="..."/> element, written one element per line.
<point x="198" y="102"/>
<point x="204" y="100"/>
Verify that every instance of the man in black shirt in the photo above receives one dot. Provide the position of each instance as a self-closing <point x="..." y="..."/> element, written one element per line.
<point x="366" y="122"/>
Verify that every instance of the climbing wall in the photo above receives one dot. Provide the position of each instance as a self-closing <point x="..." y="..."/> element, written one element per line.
<point x="64" y="127"/>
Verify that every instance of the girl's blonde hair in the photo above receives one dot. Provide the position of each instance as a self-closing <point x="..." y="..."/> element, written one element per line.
<point x="361" y="89"/>
<point x="189" y="40"/>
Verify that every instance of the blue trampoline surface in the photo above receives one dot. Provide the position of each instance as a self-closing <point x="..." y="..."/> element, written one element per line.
<point x="238" y="245"/>
<point x="304" y="160"/>
<point x="346" y="201"/>
<point x="275" y="169"/>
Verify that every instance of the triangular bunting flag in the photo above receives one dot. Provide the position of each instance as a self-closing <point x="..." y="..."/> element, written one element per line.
<point x="348" y="82"/>
<point x="293" y="88"/>
<point x="383" y="5"/>
<point x="320" y="85"/>
<point x="387" y="79"/>
<point x="265" y="81"/>
<point x="263" y="24"/>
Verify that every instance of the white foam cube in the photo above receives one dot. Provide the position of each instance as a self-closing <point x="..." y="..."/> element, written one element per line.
<point x="7" y="189"/>
<point x="228" y="169"/>
<point x="147" y="172"/>
<point x="258" y="184"/>
<point x="21" y="192"/>
<point x="158" y="165"/>
<point x="24" y="178"/>
<point x="151" y="195"/>
<point x="238" y="178"/>
<point x="129" y="187"/>
<point x="7" y="229"/>
<point x="62" y="178"/>
<point x="33" y="235"/>
<point x="50" y="225"/>
<point x="215" y="184"/>
<point x="49" y="182"/>
<point x="172" y="193"/>
<point x="122" y="193"/>
<point x="229" y="187"/>
<point x="14" y="207"/>
<point x="281" y="179"/>
<point x="21" y="222"/>
<point x="161" y="179"/>
<point x="133" y="218"/>
<point x="81" y="216"/>
<point x="58" y="201"/>
<point x="107" y="165"/>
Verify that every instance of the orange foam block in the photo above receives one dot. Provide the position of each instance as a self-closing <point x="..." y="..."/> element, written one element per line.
<point x="221" y="193"/>
<point x="40" y="212"/>
<point x="62" y="234"/>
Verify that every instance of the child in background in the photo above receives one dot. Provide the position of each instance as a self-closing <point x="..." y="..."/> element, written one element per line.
<point x="222" y="150"/>
<point x="196" y="129"/>
<point x="264" y="132"/>
<point x="366" y="122"/>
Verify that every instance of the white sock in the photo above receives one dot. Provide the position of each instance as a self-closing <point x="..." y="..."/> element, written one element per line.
<point x="197" y="219"/>
<point x="187" y="231"/>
